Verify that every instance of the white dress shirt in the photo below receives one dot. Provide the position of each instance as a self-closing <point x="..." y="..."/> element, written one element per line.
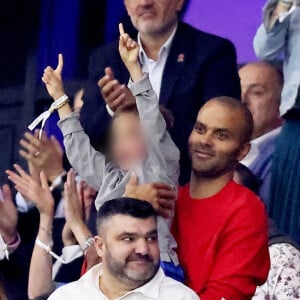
<point x="155" y="68"/>
<point x="160" y="287"/>
<point x="256" y="145"/>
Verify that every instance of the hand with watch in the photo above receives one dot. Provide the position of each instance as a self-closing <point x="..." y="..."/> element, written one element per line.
<point x="75" y="213"/>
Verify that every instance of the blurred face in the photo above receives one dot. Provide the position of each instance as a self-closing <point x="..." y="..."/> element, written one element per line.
<point x="152" y="17"/>
<point x="261" y="93"/>
<point x="127" y="143"/>
<point x="215" y="142"/>
<point x="129" y="249"/>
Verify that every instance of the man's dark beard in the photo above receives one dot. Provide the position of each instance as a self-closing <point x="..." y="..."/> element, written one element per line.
<point x="118" y="271"/>
<point x="139" y="257"/>
<point x="216" y="173"/>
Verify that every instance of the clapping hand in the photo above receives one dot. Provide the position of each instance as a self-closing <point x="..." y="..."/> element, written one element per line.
<point x="38" y="193"/>
<point x="113" y="92"/>
<point x="74" y="209"/>
<point x="45" y="154"/>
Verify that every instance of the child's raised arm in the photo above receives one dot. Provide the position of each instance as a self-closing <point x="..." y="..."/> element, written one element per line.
<point x="129" y="52"/>
<point x="54" y="84"/>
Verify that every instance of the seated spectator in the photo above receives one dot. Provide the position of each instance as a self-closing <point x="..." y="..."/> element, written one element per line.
<point x="284" y="277"/>
<point x="127" y="244"/>
<point x="261" y="92"/>
<point x="277" y="37"/>
<point x="220" y="226"/>
<point x="140" y="142"/>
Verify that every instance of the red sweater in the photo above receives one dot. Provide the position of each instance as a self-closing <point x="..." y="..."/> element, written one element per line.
<point x="222" y="242"/>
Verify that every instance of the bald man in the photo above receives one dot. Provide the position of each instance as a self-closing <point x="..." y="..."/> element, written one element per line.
<point x="261" y="92"/>
<point x="220" y="226"/>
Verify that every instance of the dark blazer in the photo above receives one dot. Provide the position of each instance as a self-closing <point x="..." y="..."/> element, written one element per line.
<point x="200" y="66"/>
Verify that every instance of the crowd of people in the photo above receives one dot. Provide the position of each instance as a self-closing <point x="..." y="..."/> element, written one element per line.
<point x="178" y="176"/>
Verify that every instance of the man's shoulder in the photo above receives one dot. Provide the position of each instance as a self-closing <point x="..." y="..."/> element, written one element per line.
<point x="178" y="291"/>
<point x="244" y="195"/>
<point x="83" y="288"/>
<point x="66" y="291"/>
<point x="285" y="253"/>
<point x="246" y="204"/>
<point x="198" y="37"/>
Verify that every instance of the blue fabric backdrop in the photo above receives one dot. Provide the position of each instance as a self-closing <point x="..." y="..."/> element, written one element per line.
<point x="59" y="25"/>
<point x="59" y="31"/>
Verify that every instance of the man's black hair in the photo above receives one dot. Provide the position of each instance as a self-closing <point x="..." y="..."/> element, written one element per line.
<point x="125" y="206"/>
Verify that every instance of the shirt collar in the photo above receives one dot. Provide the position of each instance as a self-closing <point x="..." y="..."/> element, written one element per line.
<point x="266" y="137"/>
<point x="166" y="47"/>
<point x="150" y="289"/>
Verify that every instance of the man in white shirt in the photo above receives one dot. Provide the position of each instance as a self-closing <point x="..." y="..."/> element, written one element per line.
<point x="130" y="268"/>
<point x="261" y="91"/>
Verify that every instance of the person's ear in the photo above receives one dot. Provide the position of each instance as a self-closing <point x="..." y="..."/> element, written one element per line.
<point x="99" y="245"/>
<point x="180" y="4"/>
<point x="244" y="150"/>
<point x="127" y="7"/>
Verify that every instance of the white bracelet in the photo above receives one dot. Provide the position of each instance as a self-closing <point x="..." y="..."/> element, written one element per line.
<point x="109" y="110"/>
<point x="57" y="104"/>
<point x="47" y="248"/>
<point x="4" y="249"/>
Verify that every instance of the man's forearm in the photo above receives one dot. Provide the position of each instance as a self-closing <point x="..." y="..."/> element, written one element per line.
<point x="64" y="111"/>
<point x="40" y="274"/>
<point x="135" y="70"/>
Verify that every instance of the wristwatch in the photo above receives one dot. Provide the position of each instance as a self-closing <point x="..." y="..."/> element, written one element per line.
<point x="87" y="244"/>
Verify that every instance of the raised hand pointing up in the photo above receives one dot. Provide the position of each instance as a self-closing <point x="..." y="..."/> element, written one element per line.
<point x="53" y="79"/>
<point x="129" y="52"/>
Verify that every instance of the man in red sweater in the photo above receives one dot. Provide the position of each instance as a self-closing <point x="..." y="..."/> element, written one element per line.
<point x="220" y="226"/>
